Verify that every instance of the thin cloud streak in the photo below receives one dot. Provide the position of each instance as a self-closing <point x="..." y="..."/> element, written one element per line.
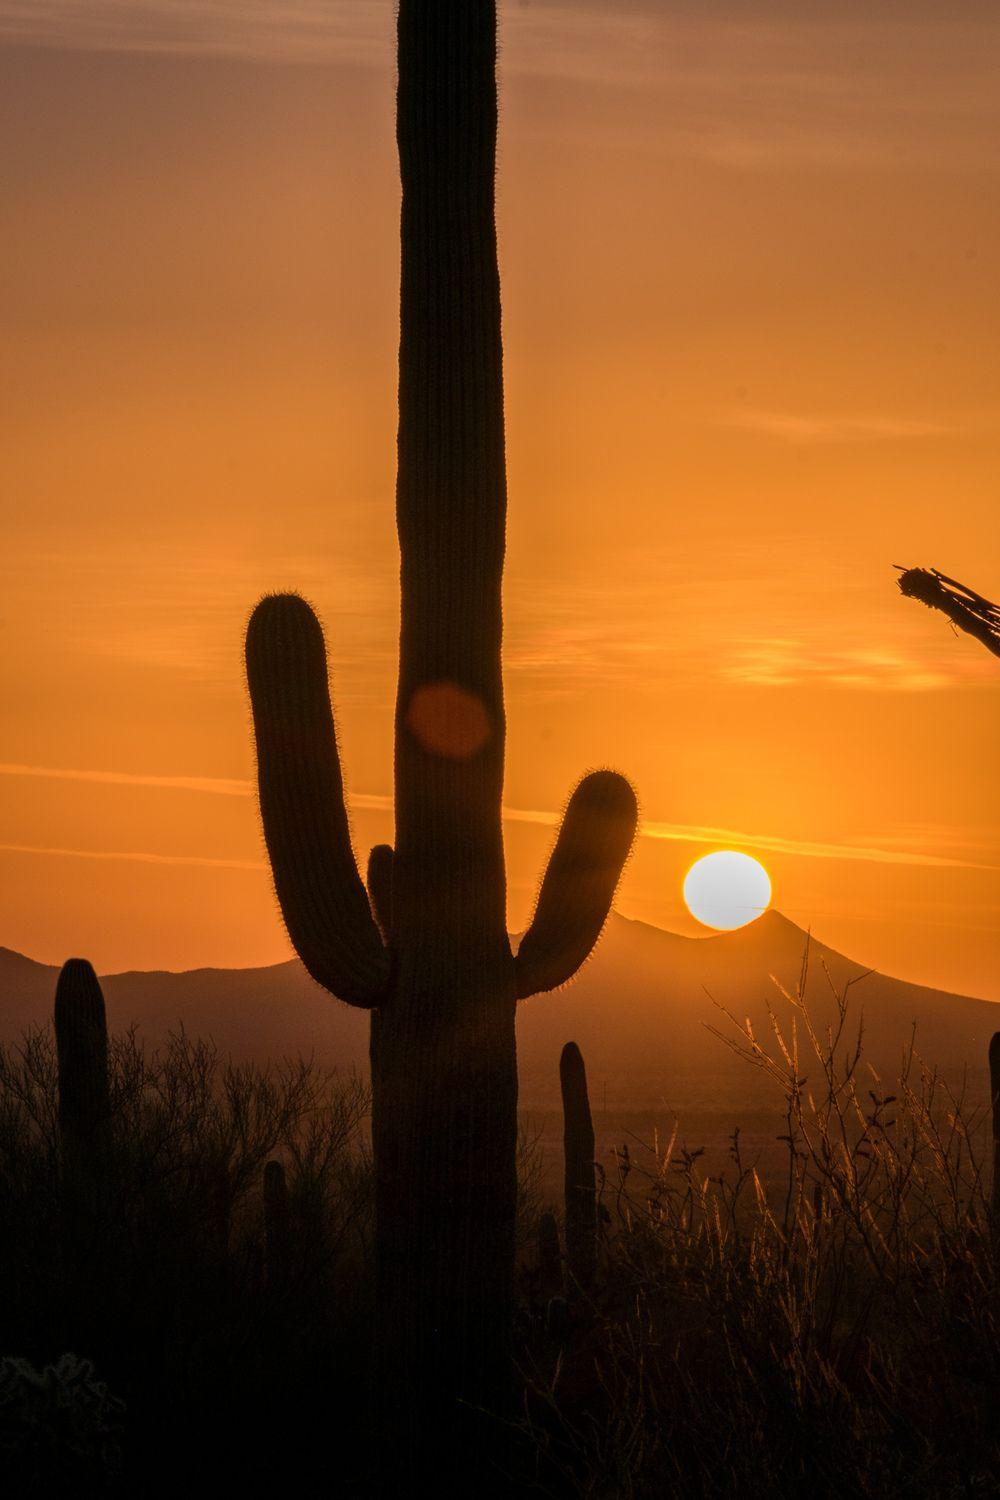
<point x="729" y="836"/>
<point x="781" y="89"/>
<point x="683" y="833"/>
<point x="792" y="427"/>
<point x="220" y="786"/>
<point x="137" y="856"/>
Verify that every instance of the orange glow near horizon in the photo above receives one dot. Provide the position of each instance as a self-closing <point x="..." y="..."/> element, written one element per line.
<point x="750" y="314"/>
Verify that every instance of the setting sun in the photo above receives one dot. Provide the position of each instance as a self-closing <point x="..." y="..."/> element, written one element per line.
<point x="727" y="889"/>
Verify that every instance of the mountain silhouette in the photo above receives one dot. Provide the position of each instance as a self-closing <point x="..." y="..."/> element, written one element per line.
<point x="641" y="1011"/>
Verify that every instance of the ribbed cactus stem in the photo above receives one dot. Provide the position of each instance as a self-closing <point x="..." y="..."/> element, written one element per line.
<point x="277" y="1227"/>
<point x="581" y="1195"/>
<point x="218" y="1209"/>
<point x="995" y="1097"/>
<point x="549" y="1257"/>
<point x="82" y="1055"/>
<point x="426" y="946"/>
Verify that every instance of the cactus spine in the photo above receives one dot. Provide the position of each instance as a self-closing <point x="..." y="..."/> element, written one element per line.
<point x="578" y="1146"/>
<point x="429" y="953"/>
<point x="82" y="1056"/>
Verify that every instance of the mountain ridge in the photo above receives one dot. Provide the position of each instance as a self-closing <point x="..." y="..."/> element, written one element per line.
<point x="643" y="1010"/>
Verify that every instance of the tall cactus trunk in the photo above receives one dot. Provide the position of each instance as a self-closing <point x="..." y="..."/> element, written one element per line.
<point x="84" y="1137"/>
<point x="277" y="1229"/>
<point x="443" y="1049"/>
<point x="82" y="1057"/>
<point x="426" y="949"/>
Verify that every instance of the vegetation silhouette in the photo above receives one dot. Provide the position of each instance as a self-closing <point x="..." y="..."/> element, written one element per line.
<point x="580" y="1176"/>
<point x="978" y="617"/>
<point x="834" y="1326"/>
<point x="963" y="606"/>
<point x="157" y="1320"/>
<point x="834" y="1333"/>
<point x="427" y="949"/>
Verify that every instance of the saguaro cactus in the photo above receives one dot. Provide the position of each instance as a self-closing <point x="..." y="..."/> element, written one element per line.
<point x="995" y="1096"/>
<point x="578" y="1147"/>
<point x="434" y="963"/>
<point x="82" y="1055"/>
<point x="277" y="1228"/>
<point x="549" y="1257"/>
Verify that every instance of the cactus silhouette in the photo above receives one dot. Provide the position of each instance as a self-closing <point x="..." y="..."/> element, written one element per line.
<point x="277" y="1228"/>
<point x="429" y="952"/>
<point x="963" y="606"/>
<point x="578" y="1145"/>
<point x="995" y="1096"/>
<point x="549" y="1257"/>
<point x="82" y="1055"/>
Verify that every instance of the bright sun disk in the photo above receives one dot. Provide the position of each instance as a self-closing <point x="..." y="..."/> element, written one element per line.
<point x="727" y="889"/>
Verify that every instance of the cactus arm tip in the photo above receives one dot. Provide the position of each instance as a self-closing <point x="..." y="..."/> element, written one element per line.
<point x="306" y="829"/>
<point x="593" y="844"/>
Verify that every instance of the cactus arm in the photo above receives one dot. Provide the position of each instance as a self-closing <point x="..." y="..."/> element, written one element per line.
<point x="322" y="897"/>
<point x="379" y="884"/>
<point x="578" y="1144"/>
<point x="580" y="882"/>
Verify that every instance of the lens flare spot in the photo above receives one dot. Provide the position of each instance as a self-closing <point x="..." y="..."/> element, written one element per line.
<point x="447" y="720"/>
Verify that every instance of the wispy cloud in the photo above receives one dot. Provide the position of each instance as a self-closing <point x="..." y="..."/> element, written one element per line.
<point x="793" y="427"/>
<point x="136" y="856"/>
<point x="783" y="662"/>
<point x="220" y="786"/>
<point x="731" y="837"/>
<point x="685" y="833"/>
<point x="846" y="86"/>
<point x="348" y="31"/>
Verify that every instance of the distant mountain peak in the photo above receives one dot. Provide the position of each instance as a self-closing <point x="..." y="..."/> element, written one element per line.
<point x="10" y="960"/>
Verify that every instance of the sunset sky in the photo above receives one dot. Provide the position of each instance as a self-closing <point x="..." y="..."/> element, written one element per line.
<point x="749" y="256"/>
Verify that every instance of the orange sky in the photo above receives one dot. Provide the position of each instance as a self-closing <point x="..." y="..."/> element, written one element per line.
<point x="749" y="258"/>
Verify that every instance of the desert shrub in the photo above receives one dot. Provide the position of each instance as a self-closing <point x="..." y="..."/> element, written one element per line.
<point x="159" y="1276"/>
<point x="832" y="1334"/>
<point x="59" y="1426"/>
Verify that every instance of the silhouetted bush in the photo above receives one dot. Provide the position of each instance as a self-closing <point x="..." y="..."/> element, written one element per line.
<point x="59" y="1427"/>
<point x="163" y="1283"/>
<point x="834" y="1332"/>
<point x="832" y="1335"/>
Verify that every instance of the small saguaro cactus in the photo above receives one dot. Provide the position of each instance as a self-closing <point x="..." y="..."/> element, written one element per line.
<point x="549" y="1257"/>
<point x="995" y="1096"/>
<point x="277" y="1228"/>
<point x="581" y="1194"/>
<point x="426" y="949"/>
<point x="82" y="1055"/>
